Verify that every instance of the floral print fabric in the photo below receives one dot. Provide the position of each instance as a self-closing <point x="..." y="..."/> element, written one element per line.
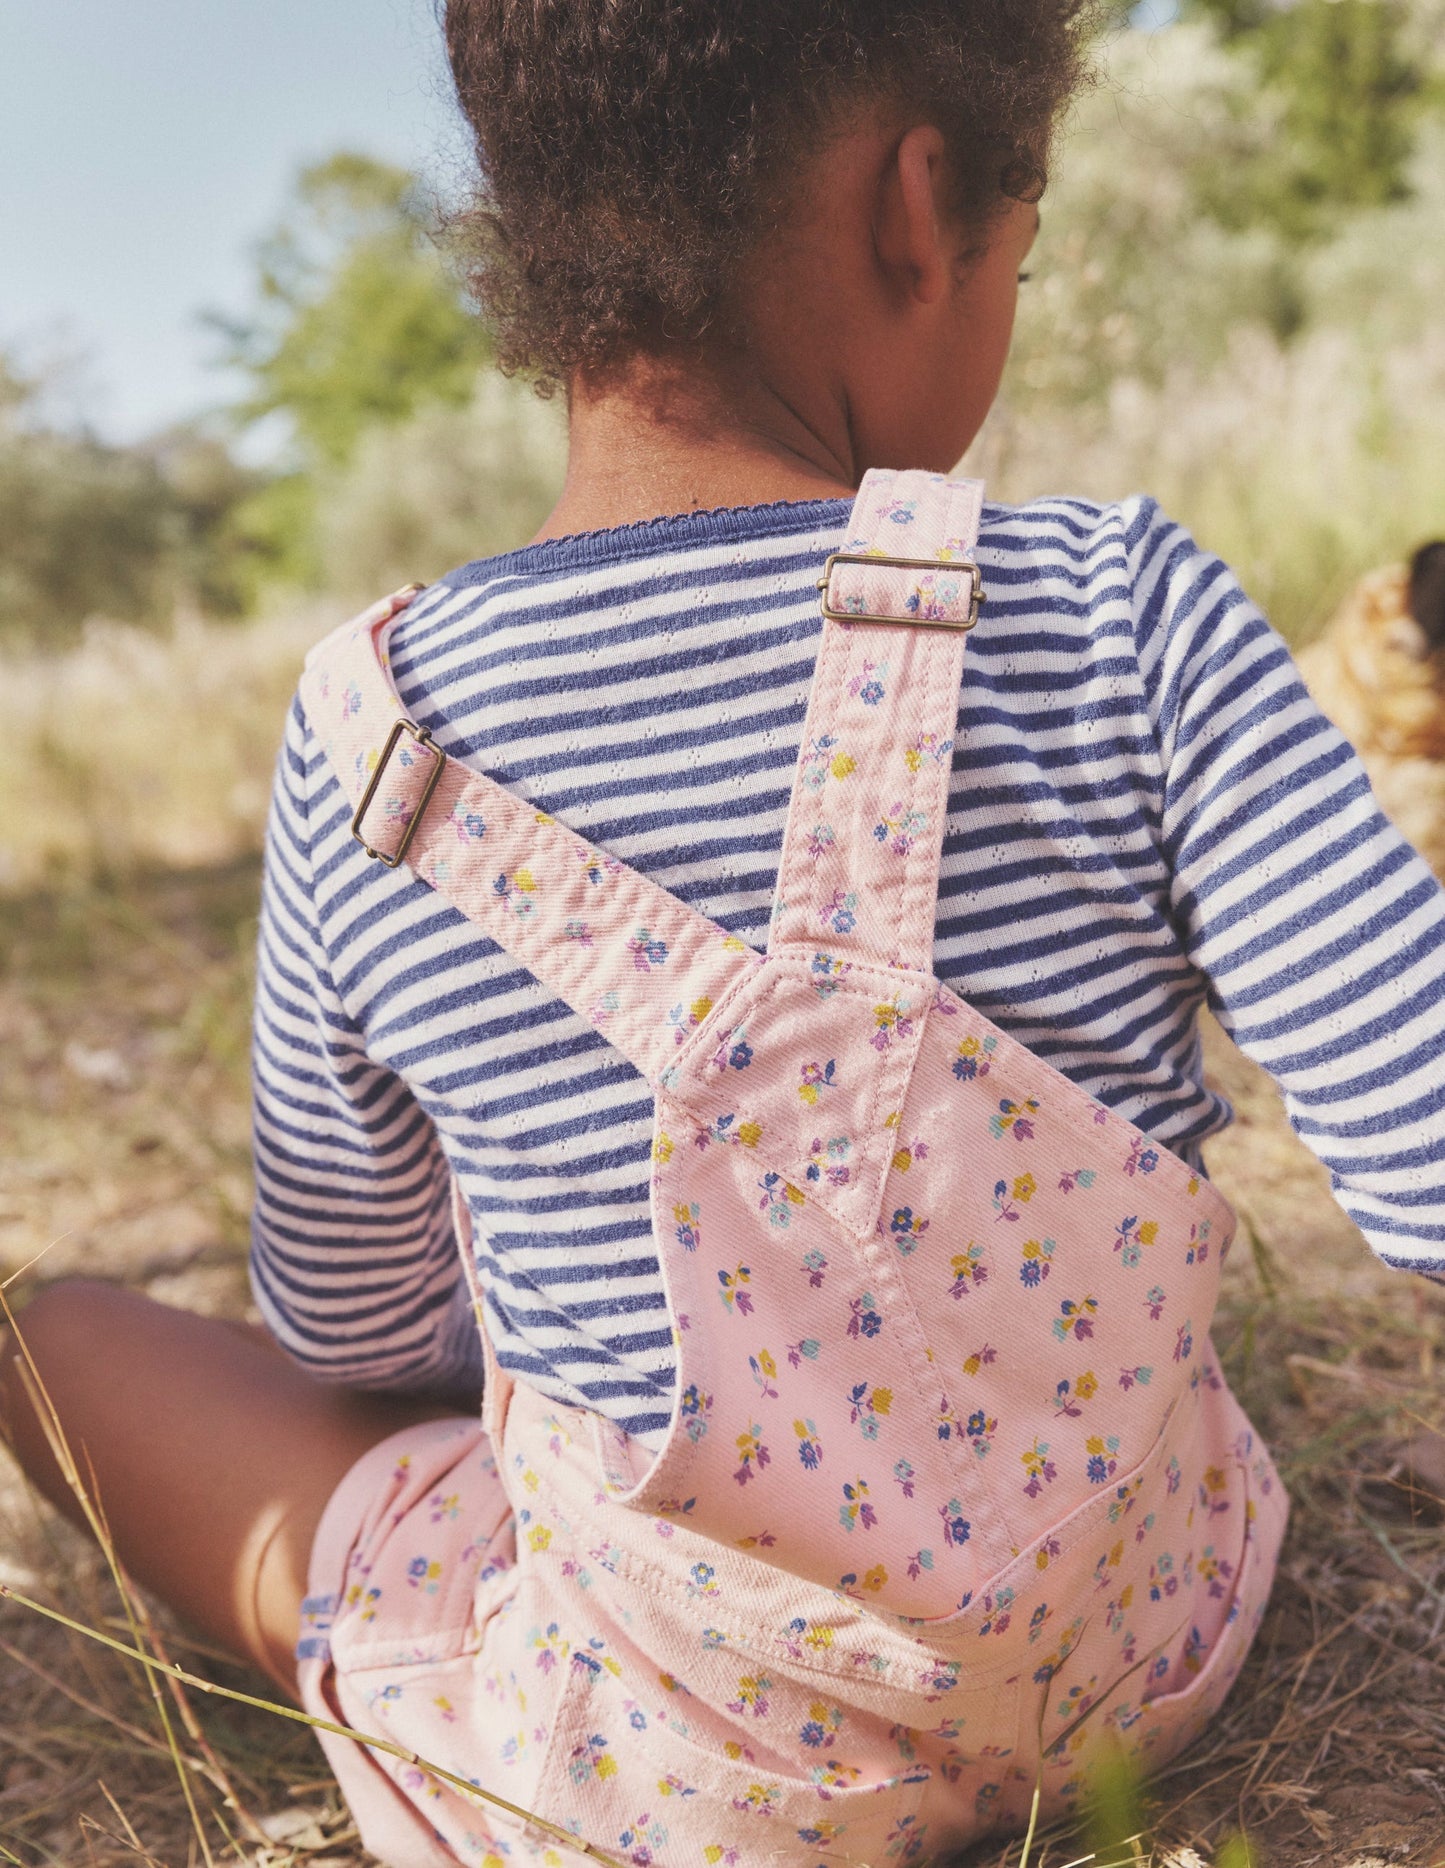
<point x="953" y="1492"/>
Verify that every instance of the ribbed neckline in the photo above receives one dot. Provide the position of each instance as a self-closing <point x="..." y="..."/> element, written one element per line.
<point x="643" y="538"/>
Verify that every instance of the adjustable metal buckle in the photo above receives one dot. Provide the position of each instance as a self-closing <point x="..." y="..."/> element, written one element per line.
<point x="963" y="565"/>
<point x="422" y="736"/>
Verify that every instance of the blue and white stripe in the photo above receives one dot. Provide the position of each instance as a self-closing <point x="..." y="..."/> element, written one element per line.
<point x="1147" y="812"/>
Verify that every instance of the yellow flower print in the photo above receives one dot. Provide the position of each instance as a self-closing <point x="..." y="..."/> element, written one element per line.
<point x="843" y="765"/>
<point x="539" y="1537"/>
<point x="662" y="1149"/>
<point x="750" y="1134"/>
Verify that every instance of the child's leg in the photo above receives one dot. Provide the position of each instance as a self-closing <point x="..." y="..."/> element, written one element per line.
<point x="213" y="1455"/>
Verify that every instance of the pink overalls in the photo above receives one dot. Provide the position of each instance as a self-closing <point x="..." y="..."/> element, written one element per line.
<point x="953" y="1497"/>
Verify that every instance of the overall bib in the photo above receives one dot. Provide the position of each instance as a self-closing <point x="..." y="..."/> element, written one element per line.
<point x="953" y="1498"/>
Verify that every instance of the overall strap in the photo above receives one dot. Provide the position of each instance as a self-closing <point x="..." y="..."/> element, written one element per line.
<point x="859" y="872"/>
<point x="642" y="966"/>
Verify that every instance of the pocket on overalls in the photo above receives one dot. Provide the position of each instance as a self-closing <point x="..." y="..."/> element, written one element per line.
<point x="622" y="1776"/>
<point x="1156" y="1660"/>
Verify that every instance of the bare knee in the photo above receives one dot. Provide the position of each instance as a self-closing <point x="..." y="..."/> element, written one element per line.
<point x="68" y="1317"/>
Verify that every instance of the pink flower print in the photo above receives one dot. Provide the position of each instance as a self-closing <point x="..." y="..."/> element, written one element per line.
<point x="595" y="865"/>
<point x="949" y="1425"/>
<point x="830" y="1162"/>
<point x="815" y="1079"/>
<point x="892" y="1019"/>
<point x="1005" y="1203"/>
<point x="815" y="1264"/>
<point x="764" y="1370"/>
<point x="868" y="686"/>
<point x="1162" y="1580"/>
<point x="688" y="1215"/>
<point x="927" y="749"/>
<point x="751" y="1452"/>
<point x="867" y="1407"/>
<point x="956" y="1528"/>
<point x="517" y="890"/>
<point x="1154" y="1302"/>
<point x="579" y="931"/>
<point x="968" y="1269"/>
<point x="900" y="511"/>
<point x="604" y="1008"/>
<point x="907" y="1153"/>
<point x="1076" y="1318"/>
<point x="1102" y="1462"/>
<point x="686" y="1018"/>
<point x="1014" y="1119"/>
<point x="840" y="911"/>
<point x="1040" y="1469"/>
<point x="980" y="1359"/>
<point x="906" y="1839"/>
<point x="444" y="1506"/>
<point x="1184" y="1341"/>
<point x="1212" y="1489"/>
<point x="1216" y="1571"/>
<point x="974" y="1058"/>
<point x="424" y="1573"/>
<point x="1142" y="1158"/>
<point x="1198" y="1250"/>
<point x="779" y="1198"/>
<point x="906" y="1229"/>
<point x="807" y="1349"/>
<point x="810" y="1447"/>
<point x="1076" y="1177"/>
<point x="823" y="760"/>
<point x="470" y="828"/>
<point x="735" y="1295"/>
<point x="647" y="951"/>
<point x="827" y="973"/>
<point x="979" y="1430"/>
<point x="734" y="1052"/>
<point x="855" y="1509"/>
<point x="693" y="1408"/>
<point x="900" y="829"/>
<point x="1035" y="1267"/>
<point x="920" y="1561"/>
<point x="821" y="839"/>
<point x="933" y="597"/>
<point x="350" y="702"/>
<point x="904" y="1475"/>
<point x="822" y="1722"/>
<point x="865" y="1318"/>
<point x="1143" y="1374"/>
<point x="1132" y="1238"/>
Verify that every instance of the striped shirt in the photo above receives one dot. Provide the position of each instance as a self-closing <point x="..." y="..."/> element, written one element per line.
<point x="1147" y="813"/>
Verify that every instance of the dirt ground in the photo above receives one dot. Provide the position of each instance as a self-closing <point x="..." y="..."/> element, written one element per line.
<point x="123" y="1149"/>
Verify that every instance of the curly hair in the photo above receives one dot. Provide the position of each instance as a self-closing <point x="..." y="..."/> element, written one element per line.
<point x="633" y="152"/>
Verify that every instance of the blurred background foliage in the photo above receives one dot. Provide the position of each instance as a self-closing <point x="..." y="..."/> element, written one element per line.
<point x="1234" y="306"/>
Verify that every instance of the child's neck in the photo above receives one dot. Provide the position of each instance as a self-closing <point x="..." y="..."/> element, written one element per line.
<point x="661" y="441"/>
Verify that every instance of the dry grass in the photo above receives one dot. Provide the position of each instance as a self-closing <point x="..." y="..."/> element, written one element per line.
<point x="122" y="1022"/>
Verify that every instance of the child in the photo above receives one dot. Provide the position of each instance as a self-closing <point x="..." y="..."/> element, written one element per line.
<point x="767" y="249"/>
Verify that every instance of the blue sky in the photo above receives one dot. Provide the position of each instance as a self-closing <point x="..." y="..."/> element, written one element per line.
<point x="145" y="146"/>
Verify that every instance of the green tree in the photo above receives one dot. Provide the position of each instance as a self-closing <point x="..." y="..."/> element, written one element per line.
<point x="359" y="319"/>
<point x="1344" y="87"/>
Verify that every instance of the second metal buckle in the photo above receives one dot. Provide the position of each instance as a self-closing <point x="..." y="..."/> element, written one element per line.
<point x="965" y="566"/>
<point x="422" y="736"/>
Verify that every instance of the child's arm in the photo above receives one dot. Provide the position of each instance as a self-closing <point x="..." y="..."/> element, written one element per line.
<point x="353" y="1261"/>
<point x="1320" y="931"/>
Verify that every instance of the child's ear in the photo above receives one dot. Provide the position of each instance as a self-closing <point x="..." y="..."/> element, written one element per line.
<point x="910" y="221"/>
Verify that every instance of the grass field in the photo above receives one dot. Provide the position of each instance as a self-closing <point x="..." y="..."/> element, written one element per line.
<point x="126" y="923"/>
